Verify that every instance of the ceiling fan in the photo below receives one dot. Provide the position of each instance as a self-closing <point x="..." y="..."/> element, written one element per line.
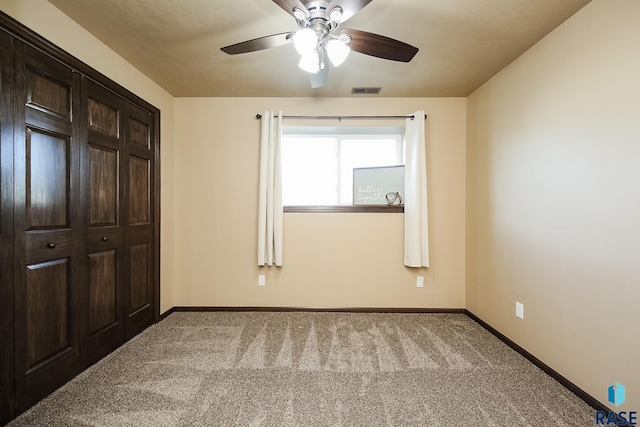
<point x="319" y="37"/>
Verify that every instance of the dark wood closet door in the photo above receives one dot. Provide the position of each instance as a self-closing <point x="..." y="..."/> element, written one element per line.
<point x="139" y="218"/>
<point x="102" y="207"/>
<point x="79" y="225"/>
<point x="46" y="225"/>
<point x="117" y="180"/>
<point x="6" y="228"/>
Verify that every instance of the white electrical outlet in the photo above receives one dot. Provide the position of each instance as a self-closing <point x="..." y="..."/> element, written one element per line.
<point x="262" y="281"/>
<point x="420" y="282"/>
<point x="520" y="310"/>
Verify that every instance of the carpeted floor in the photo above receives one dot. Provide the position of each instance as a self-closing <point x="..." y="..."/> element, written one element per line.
<point x="312" y="369"/>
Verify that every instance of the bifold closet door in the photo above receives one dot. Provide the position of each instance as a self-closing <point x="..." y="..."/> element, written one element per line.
<point x="139" y="171"/>
<point x="103" y="209"/>
<point x="79" y="205"/>
<point x="46" y="162"/>
<point x="117" y="177"/>
<point x="6" y="228"/>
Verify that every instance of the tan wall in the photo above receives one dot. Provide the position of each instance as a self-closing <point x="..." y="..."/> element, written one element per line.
<point x="49" y="22"/>
<point x="330" y="260"/>
<point x="553" y="199"/>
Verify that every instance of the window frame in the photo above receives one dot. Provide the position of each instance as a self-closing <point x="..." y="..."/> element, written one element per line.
<point x="345" y="132"/>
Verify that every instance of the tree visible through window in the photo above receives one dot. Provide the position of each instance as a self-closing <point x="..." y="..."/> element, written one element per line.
<point x="318" y="163"/>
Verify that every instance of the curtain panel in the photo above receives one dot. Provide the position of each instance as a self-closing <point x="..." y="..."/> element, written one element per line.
<point x="416" y="218"/>
<point x="270" y="214"/>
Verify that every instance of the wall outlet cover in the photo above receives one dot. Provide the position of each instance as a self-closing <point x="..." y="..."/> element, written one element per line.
<point x="262" y="281"/>
<point x="520" y="310"/>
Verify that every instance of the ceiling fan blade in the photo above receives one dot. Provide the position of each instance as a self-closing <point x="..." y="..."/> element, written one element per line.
<point x="320" y="78"/>
<point x="349" y="7"/>
<point x="288" y="6"/>
<point x="260" y="43"/>
<point x="380" y="46"/>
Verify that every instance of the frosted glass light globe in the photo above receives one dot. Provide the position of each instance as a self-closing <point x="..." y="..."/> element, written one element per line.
<point x="305" y="41"/>
<point x="309" y="62"/>
<point x="337" y="52"/>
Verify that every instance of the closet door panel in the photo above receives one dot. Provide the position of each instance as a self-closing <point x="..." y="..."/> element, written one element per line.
<point x="48" y="179"/>
<point x="139" y="277"/>
<point x="47" y="93"/>
<point x="140" y="221"/>
<point x="6" y="228"/>
<point x="102" y="290"/>
<point x="140" y="133"/>
<point x="103" y="186"/>
<point x="48" y="303"/>
<point x="104" y="118"/>
<point x="138" y="190"/>
<point x="102" y="175"/>
<point x="47" y="225"/>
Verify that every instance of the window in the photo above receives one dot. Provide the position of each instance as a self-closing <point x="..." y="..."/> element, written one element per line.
<point x="318" y="162"/>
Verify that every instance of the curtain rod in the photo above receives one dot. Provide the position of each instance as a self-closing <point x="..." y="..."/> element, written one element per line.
<point x="339" y="118"/>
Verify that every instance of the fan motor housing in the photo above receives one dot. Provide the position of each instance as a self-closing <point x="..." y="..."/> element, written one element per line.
<point x="319" y="19"/>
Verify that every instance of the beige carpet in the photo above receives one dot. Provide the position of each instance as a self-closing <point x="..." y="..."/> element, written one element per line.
<point x="312" y="369"/>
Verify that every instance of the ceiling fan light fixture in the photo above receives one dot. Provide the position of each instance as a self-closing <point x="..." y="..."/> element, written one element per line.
<point x="299" y="15"/>
<point x="344" y="38"/>
<point x="337" y="52"/>
<point x="336" y="14"/>
<point x="318" y="37"/>
<point x="310" y="62"/>
<point x="305" y="41"/>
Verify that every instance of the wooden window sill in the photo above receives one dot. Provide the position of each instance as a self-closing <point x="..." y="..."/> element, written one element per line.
<point x="344" y="209"/>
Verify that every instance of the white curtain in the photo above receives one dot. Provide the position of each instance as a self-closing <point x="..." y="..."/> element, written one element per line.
<point x="270" y="217"/>
<point x="416" y="219"/>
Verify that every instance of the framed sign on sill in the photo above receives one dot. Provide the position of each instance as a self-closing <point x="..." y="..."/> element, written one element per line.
<point x="372" y="185"/>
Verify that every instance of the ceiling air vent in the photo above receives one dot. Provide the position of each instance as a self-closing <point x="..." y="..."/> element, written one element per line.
<point x="365" y="90"/>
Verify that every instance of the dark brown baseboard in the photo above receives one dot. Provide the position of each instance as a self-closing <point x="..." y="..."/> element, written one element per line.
<point x="319" y="309"/>
<point x="167" y="313"/>
<point x="586" y="397"/>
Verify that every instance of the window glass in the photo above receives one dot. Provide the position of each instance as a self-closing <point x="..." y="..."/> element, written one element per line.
<point x="309" y="170"/>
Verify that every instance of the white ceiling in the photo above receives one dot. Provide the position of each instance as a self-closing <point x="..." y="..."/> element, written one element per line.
<point x="177" y="43"/>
